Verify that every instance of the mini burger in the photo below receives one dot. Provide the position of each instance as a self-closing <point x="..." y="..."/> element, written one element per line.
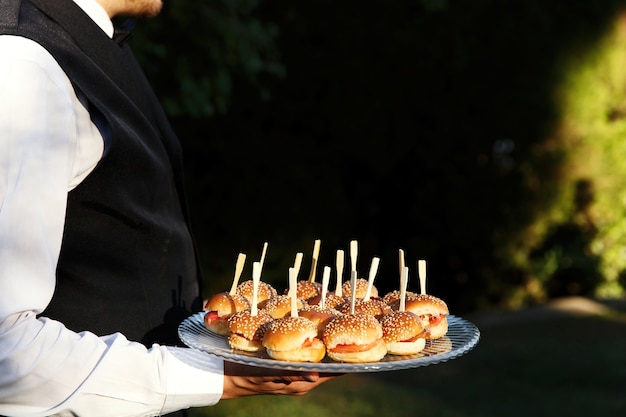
<point x="219" y="308"/>
<point x="403" y="333"/>
<point x="394" y="296"/>
<point x="354" y="338"/>
<point x="265" y="291"/>
<point x="246" y="330"/>
<point x="361" y="288"/>
<point x="332" y="301"/>
<point x="293" y="339"/>
<point x="374" y="307"/>
<point x="309" y="291"/>
<point x="432" y="311"/>
<point x="319" y="315"/>
<point x="280" y="306"/>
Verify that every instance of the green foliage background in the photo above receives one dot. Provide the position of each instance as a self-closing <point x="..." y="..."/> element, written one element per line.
<point x="485" y="136"/>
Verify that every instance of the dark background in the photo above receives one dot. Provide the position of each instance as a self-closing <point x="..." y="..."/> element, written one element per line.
<point x="426" y="126"/>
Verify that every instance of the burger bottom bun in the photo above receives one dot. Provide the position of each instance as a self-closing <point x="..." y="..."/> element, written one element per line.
<point x="219" y="326"/>
<point x="239" y="342"/>
<point x="406" y="348"/>
<point x="313" y="353"/>
<point x="438" y="331"/>
<point x="374" y="354"/>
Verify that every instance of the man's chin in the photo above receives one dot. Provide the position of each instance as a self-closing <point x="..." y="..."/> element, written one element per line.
<point x="142" y="8"/>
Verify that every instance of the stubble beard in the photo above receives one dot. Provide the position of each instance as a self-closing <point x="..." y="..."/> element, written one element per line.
<point x="143" y="8"/>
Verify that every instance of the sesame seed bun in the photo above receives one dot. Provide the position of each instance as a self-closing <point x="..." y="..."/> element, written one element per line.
<point x="361" y="289"/>
<point x="280" y="306"/>
<point x="394" y="296"/>
<point x="293" y="339"/>
<point x="246" y="330"/>
<point x="332" y="301"/>
<point x="265" y="291"/>
<point x="403" y="333"/>
<point x="374" y="307"/>
<point x="354" y="338"/>
<point x="319" y="315"/>
<point x="308" y="291"/>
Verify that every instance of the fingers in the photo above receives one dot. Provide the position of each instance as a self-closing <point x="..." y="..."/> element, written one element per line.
<point x="242" y="380"/>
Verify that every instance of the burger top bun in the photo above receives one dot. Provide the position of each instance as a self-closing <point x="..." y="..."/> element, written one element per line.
<point x="307" y="290"/>
<point x="319" y="316"/>
<point x="288" y="333"/>
<point x="352" y="329"/>
<point x="400" y="326"/>
<point x="373" y="307"/>
<point x="394" y="296"/>
<point x="280" y="306"/>
<point x="248" y="326"/>
<point x="226" y="304"/>
<point x="332" y="301"/>
<point x="422" y="304"/>
<point x="265" y="291"/>
<point x="361" y="289"/>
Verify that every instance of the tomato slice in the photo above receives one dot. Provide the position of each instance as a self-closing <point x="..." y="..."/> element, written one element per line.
<point x="353" y="348"/>
<point x="435" y="320"/>
<point x="212" y="316"/>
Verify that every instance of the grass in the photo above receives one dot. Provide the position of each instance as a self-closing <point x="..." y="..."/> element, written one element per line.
<point x="556" y="363"/>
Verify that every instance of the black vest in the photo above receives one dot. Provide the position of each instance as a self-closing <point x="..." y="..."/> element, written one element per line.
<point x="127" y="259"/>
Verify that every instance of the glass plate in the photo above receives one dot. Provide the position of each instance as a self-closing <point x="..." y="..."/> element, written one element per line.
<point x="462" y="337"/>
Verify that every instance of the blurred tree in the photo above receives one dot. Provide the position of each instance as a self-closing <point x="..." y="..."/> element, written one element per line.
<point x="194" y="50"/>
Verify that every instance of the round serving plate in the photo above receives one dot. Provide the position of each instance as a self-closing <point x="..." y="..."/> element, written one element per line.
<point x="462" y="336"/>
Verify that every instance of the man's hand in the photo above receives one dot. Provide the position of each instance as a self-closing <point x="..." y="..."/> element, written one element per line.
<point x="243" y="380"/>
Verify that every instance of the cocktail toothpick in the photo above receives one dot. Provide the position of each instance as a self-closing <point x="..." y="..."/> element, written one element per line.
<point x="316" y="255"/>
<point x="340" y="261"/>
<point x="256" y="278"/>
<point x="297" y="263"/>
<point x="370" y="279"/>
<point x="241" y="259"/>
<point x="354" y="253"/>
<point x="401" y="262"/>
<point x="421" y="271"/>
<point x="293" y="282"/>
<point x="404" y="279"/>
<point x="325" y="280"/>
<point x="263" y="252"/>
<point x="353" y="288"/>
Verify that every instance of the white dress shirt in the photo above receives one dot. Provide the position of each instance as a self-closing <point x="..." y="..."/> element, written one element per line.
<point x="48" y="145"/>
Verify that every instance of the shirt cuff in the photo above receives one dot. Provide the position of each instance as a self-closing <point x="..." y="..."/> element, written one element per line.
<point x="194" y="379"/>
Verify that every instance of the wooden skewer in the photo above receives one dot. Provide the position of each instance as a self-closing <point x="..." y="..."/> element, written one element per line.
<point x="325" y="279"/>
<point x="316" y="255"/>
<point x="421" y="270"/>
<point x="241" y="259"/>
<point x="340" y="259"/>
<point x="297" y="263"/>
<point x="256" y="279"/>
<point x="370" y="280"/>
<point x="404" y="279"/>
<point x="293" y="282"/>
<point x="296" y="266"/>
<point x="354" y="253"/>
<point x="263" y="255"/>
<point x="401" y="262"/>
<point x="353" y="288"/>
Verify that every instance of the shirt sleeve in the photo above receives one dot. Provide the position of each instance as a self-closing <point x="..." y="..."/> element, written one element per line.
<point x="44" y="367"/>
